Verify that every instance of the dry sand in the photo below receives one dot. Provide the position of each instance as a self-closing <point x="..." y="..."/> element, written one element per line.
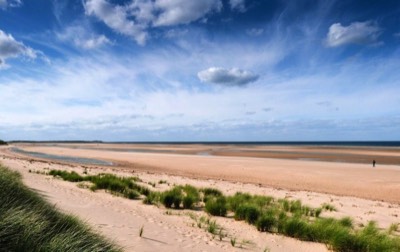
<point x="309" y="181"/>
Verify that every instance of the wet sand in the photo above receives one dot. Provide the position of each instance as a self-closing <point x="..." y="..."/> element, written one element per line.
<point x="292" y="168"/>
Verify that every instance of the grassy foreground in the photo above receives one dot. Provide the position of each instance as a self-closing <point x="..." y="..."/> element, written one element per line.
<point x="267" y="214"/>
<point x="29" y="223"/>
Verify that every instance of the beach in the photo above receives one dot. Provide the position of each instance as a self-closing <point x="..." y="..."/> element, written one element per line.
<point x="341" y="176"/>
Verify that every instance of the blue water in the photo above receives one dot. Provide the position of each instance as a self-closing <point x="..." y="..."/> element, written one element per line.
<point x="79" y="160"/>
<point x="302" y="143"/>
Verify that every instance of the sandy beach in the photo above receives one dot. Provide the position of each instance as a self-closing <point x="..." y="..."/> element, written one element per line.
<point x="352" y="185"/>
<point x="347" y="178"/>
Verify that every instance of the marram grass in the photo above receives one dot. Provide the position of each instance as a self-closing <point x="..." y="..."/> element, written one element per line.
<point x="29" y="223"/>
<point x="267" y="214"/>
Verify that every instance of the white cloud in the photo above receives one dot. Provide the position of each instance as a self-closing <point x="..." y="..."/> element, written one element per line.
<point x="176" y="33"/>
<point x="238" y="5"/>
<point x="229" y="77"/>
<point x="356" y="33"/>
<point x="10" y="48"/>
<point x="82" y="38"/>
<point x="174" y="12"/>
<point x="10" y="3"/>
<point x="117" y="18"/>
<point x="134" y="19"/>
<point x="144" y="104"/>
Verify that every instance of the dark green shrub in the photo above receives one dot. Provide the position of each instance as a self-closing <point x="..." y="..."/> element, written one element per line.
<point x="191" y="190"/>
<point x="167" y="200"/>
<point x="152" y="198"/>
<point x="141" y="189"/>
<point x="285" y="204"/>
<point x="188" y="202"/>
<point x="249" y="213"/>
<point x="172" y="198"/>
<point x="192" y="196"/>
<point x="262" y="201"/>
<point x="210" y="193"/>
<point x="328" y="207"/>
<point x="306" y="210"/>
<point x="177" y="202"/>
<point x="371" y="239"/>
<point x="318" y="212"/>
<point x="237" y="200"/>
<point x="267" y="222"/>
<point x="68" y="176"/>
<point x="295" y="206"/>
<point x="346" y="222"/>
<point x="131" y="194"/>
<point x="282" y="218"/>
<point x="111" y="183"/>
<point x="216" y="206"/>
<point x="297" y="228"/>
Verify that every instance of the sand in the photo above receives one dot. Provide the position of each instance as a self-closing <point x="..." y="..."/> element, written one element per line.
<point x="339" y="178"/>
<point x="355" y="189"/>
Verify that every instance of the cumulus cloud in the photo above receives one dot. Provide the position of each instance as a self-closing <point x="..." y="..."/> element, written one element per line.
<point x="10" y="48"/>
<point x="117" y="18"/>
<point x="237" y="5"/>
<point x="135" y="18"/>
<point x="82" y="38"/>
<point x="229" y="77"/>
<point x="362" y="33"/>
<point x="174" y="12"/>
<point x="10" y="3"/>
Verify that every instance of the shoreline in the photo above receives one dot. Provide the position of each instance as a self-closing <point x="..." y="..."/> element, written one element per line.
<point x="120" y="219"/>
<point x="344" y="178"/>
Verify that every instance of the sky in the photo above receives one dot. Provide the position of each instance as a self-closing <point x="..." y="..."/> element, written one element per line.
<point x="210" y="70"/>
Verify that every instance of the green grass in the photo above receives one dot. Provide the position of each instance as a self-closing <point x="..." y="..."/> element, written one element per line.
<point x="212" y="227"/>
<point x="125" y="187"/>
<point x="249" y="213"/>
<point x="233" y="241"/>
<point x="210" y="193"/>
<point x="152" y="198"/>
<point x="329" y="207"/>
<point x="141" y="231"/>
<point x="185" y="197"/>
<point x="393" y="228"/>
<point x="216" y="206"/>
<point x="267" y="222"/>
<point x="29" y="223"/>
<point x="282" y="216"/>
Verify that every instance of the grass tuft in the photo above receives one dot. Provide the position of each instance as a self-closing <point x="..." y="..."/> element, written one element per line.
<point x="283" y="216"/>
<point x="29" y="223"/>
<point x="141" y="231"/>
<point x="216" y="206"/>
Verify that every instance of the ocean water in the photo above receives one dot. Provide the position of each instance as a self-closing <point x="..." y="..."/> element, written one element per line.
<point x="301" y="143"/>
<point x="78" y="160"/>
<point x="294" y="143"/>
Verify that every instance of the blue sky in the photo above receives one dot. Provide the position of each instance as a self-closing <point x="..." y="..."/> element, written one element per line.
<point x="210" y="70"/>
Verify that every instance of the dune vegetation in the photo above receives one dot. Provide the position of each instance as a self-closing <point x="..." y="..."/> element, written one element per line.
<point x="29" y="223"/>
<point x="267" y="214"/>
<point x="3" y="142"/>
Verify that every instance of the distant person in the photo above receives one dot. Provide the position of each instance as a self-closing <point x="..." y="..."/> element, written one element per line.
<point x="373" y="163"/>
